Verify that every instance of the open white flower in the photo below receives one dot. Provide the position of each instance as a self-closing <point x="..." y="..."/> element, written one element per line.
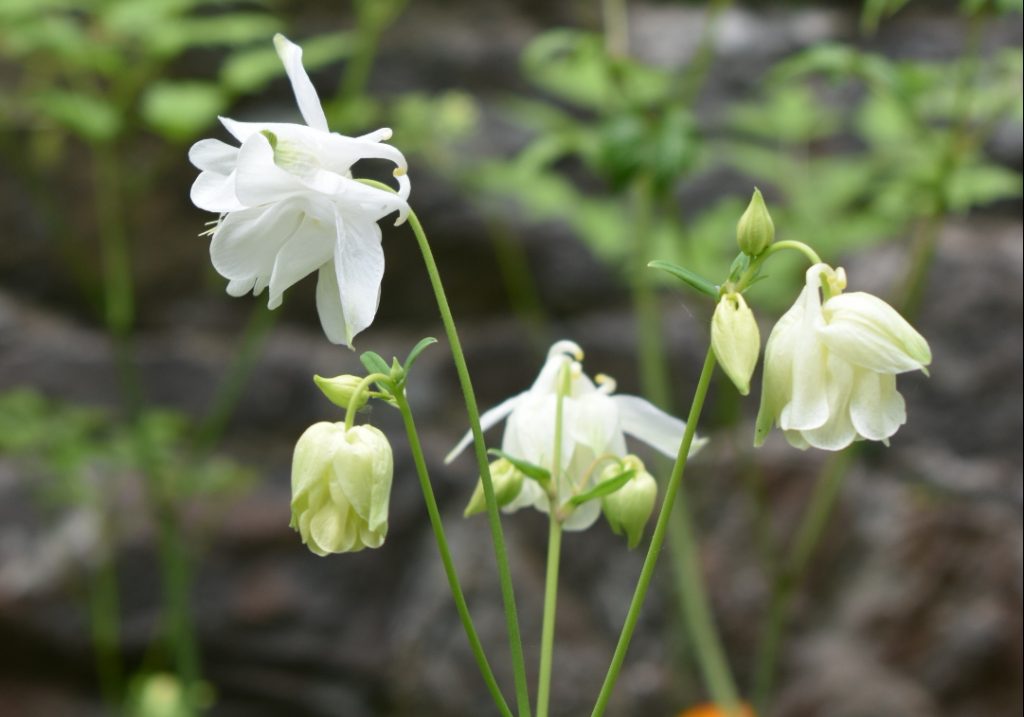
<point x="830" y="367"/>
<point x="289" y="206"/>
<point x="594" y="422"/>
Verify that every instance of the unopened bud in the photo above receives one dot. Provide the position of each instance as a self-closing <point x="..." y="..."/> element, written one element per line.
<point x="755" y="230"/>
<point x="340" y="389"/>
<point x="507" y="481"/>
<point x="736" y="340"/>
<point x="629" y="508"/>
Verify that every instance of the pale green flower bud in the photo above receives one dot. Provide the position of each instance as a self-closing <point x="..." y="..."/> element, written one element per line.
<point x="755" y="230"/>
<point x="341" y="483"/>
<point x="507" y="481"/>
<point x="629" y="508"/>
<point x="340" y="389"/>
<point x="736" y="340"/>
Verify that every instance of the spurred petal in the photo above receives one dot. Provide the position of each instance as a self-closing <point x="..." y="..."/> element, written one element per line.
<point x="876" y="407"/>
<point x="246" y="242"/>
<point x="359" y="263"/>
<point x="305" y="94"/>
<point x="645" y="421"/>
<point x="258" y="179"/>
<point x="868" y="332"/>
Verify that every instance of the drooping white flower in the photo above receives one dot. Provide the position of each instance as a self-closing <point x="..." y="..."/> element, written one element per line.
<point x="341" y="486"/>
<point x="289" y="206"/>
<point x="594" y="424"/>
<point x="830" y="366"/>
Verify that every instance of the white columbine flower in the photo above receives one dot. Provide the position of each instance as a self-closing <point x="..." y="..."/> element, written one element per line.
<point x="594" y="424"/>
<point x="289" y="206"/>
<point x="830" y="367"/>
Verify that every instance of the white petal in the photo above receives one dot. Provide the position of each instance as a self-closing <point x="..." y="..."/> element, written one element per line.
<point x="489" y="419"/>
<point x="777" y="374"/>
<point x="357" y="197"/>
<point x="215" y="193"/>
<point x="212" y="155"/>
<point x="359" y="263"/>
<point x="868" y="332"/>
<point x="837" y="432"/>
<point x="246" y="242"/>
<point x="593" y="422"/>
<point x="258" y="179"/>
<point x="645" y="421"/>
<point x="309" y="248"/>
<point x="241" y="287"/>
<point x="328" y="304"/>
<point x="584" y="516"/>
<point x="305" y="94"/>
<point x="876" y="407"/>
<point x="808" y="405"/>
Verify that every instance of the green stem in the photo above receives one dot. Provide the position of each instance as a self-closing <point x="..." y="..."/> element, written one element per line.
<point x="721" y="682"/>
<point x="446" y="558"/>
<point x="104" y="620"/>
<point x="230" y="389"/>
<point x="547" y="636"/>
<point x="480" y="449"/>
<point x="812" y="526"/>
<point x="794" y="245"/>
<point x="357" y="397"/>
<point x="650" y="345"/>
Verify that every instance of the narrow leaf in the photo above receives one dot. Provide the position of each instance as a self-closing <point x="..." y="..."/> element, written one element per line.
<point x="417" y="350"/>
<point x="534" y="472"/>
<point x="696" y="281"/>
<point x="374" y="363"/>
<point x="603" y="488"/>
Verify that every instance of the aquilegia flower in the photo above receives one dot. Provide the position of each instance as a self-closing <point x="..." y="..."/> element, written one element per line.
<point x="341" y="485"/>
<point x="289" y="206"/>
<point x="594" y="422"/>
<point x="830" y="367"/>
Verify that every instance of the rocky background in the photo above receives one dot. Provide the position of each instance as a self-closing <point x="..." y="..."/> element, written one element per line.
<point x="912" y="605"/>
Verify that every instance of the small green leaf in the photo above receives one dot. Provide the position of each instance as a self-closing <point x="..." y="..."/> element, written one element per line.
<point x="416" y="351"/>
<point x="534" y="472"/>
<point x="697" y="281"/>
<point x="603" y="488"/>
<point x="374" y="363"/>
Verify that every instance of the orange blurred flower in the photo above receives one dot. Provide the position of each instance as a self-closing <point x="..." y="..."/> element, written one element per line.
<point x="710" y="710"/>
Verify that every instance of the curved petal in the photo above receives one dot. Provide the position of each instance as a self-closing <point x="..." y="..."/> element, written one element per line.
<point x="215" y="193"/>
<point x="305" y="94"/>
<point x="876" y="408"/>
<point x="241" y="287"/>
<point x="868" y="332"/>
<point x="594" y="422"/>
<point x="808" y="405"/>
<point x="584" y="516"/>
<point x="309" y="248"/>
<point x="837" y="432"/>
<point x="489" y="419"/>
<point x="357" y="197"/>
<point x="332" y="529"/>
<point x="328" y="304"/>
<point x="341" y="152"/>
<point x="777" y="372"/>
<point x="648" y="423"/>
<point x="359" y="263"/>
<point x="258" y="179"/>
<point x="246" y="242"/>
<point x="212" y="155"/>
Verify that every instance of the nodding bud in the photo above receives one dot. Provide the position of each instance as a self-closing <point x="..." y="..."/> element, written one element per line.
<point x="629" y="508"/>
<point x="736" y="340"/>
<point x="507" y="481"/>
<point x="341" y="485"/>
<point x="755" y="231"/>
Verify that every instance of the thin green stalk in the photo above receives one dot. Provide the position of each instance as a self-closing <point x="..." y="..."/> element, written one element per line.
<point x="446" y="558"/>
<point x="812" y="526"/>
<point x="547" y="635"/>
<point x="233" y="383"/>
<point x="104" y="621"/>
<point x="480" y="449"/>
<point x="721" y="682"/>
